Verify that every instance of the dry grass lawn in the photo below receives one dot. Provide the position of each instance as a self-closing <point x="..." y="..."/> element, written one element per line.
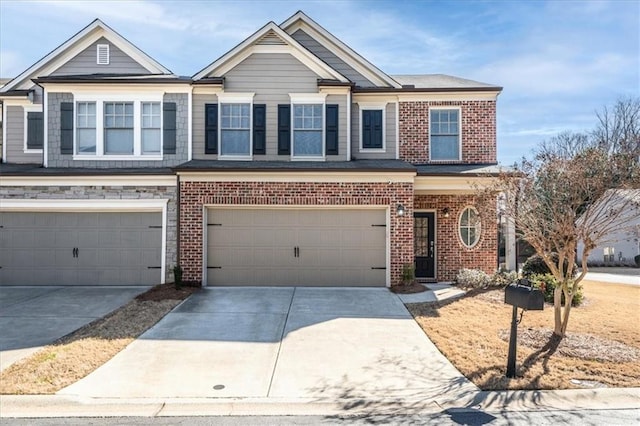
<point x="76" y="355"/>
<point x="602" y="347"/>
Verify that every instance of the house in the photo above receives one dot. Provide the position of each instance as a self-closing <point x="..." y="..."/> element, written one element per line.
<point x="290" y="160"/>
<point x="621" y="243"/>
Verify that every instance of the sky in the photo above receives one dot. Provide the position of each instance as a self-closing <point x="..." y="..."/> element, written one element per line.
<point x="558" y="61"/>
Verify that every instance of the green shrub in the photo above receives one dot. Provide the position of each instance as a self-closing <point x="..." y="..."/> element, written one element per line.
<point x="637" y="259"/>
<point x="472" y="278"/>
<point x="408" y="273"/>
<point x="547" y="283"/>
<point x="535" y="265"/>
<point x="504" y="278"/>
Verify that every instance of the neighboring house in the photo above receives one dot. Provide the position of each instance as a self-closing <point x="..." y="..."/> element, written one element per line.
<point x="290" y="160"/>
<point x="623" y="244"/>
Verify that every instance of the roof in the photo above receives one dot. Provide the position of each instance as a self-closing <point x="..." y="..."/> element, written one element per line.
<point x="75" y="45"/>
<point x="39" y="170"/>
<point x="227" y="61"/>
<point x="295" y="166"/>
<point x="491" y="169"/>
<point x="440" y="81"/>
<point x="332" y="43"/>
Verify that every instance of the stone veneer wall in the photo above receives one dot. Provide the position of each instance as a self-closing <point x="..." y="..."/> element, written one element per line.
<point x="478" y="131"/>
<point x="168" y="160"/>
<point x="194" y="196"/>
<point x="452" y="255"/>
<point x="106" y="193"/>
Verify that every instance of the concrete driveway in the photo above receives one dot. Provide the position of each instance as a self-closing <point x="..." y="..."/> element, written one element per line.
<point x="320" y="343"/>
<point x="32" y="317"/>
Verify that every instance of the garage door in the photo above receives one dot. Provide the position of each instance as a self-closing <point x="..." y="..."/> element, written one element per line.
<point x="296" y="247"/>
<point x="100" y="248"/>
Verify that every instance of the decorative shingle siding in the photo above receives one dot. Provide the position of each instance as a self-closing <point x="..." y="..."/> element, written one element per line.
<point x="107" y="193"/>
<point x="194" y="196"/>
<point x="478" y="120"/>
<point x="168" y="160"/>
<point x="451" y="254"/>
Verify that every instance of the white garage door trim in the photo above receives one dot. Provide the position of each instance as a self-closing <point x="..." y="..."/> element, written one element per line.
<point x="109" y="205"/>
<point x="205" y="218"/>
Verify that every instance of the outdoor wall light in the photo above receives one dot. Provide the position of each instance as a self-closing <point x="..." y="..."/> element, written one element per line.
<point x="445" y="212"/>
<point x="400" y="210"/>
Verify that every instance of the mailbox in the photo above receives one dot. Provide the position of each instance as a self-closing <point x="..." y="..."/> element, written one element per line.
<point x="524" y="296"/>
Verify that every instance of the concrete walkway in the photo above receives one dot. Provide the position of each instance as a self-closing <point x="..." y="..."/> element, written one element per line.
<point x="32" y="317"/>
<point x="319" y="343"/>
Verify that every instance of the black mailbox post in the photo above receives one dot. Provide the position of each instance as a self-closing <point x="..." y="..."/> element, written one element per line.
<point x="520" y="295"/>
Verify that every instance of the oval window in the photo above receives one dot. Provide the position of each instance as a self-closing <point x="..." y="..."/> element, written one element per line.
<point x="469" y="226"/>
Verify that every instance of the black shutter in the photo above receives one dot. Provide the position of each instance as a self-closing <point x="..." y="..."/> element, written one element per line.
<point x="35" y="130"/>
<point x="259" y="129"/>
<point x="169" y="127"/>
<point x="211" y="128"/>
<point x="332" y="129"/>
<point x="66" y="128"/>
<point x="376" y="123"/>
<point x="366" y="128"/>
<point x="284" y="129"/>
<point x="371" y="129"/>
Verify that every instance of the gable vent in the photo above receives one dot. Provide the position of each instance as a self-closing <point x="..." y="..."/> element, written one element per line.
<point x="271" y="38"/>
<point x="103" y="54"/>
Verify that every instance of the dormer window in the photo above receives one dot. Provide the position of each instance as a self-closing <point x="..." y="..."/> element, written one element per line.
<point x="103" y="54"/>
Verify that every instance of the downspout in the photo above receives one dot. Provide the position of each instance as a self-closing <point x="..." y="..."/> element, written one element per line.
<point x="349" y="125"/>
<point x="178" y="219"/>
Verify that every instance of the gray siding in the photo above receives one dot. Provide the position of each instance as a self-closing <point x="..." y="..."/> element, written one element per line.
<point x="271" y="77"/>
<point x="15" y="138"/>
<point x="331" y="59"/>
<point x="85" y="62"/>
<point x="198" y="125"/>
<point x="390" y="134"/>
<point x="58" y="160"/>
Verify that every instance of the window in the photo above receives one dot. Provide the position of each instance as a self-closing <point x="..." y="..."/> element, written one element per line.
<point x="235" y="129"/>
<point x="34" y="135"/>
<point x="372" y="129"/>
<point x="469" y="227"/>
<point x="102" y="54"/>
<point x="307" y="130"/>
<point x="150" y="127"/>
<point x="118" y="128"/>
<point x="86" y="128"/>
<point x="445" y="134"/>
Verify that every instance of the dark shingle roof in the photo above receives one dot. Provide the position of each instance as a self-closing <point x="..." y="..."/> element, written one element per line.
<point x="357" y="165"/>
<point x="38" y="170"/>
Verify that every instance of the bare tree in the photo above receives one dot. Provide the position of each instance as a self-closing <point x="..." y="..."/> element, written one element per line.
<point x="578" y="188"/>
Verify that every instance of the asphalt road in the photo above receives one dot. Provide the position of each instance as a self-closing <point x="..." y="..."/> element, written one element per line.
<point x="449" y="417"/>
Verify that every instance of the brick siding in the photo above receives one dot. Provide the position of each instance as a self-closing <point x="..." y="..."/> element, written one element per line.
<point x="451" y="254"/>
<point x="478" y="131"/>
<point x="194" y="196"/>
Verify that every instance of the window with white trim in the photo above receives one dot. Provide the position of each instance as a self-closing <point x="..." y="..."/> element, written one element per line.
<point x="307" y="130"/>
<point x="444" y="134"/>
<point x="86" y="128"/>
<point x="469" y="226"/>
<point x="111" y="127"/>
<point x="235" y="129"/>
<point x="151" y="128"/>
<point x="372" y="126"/>
<point x="118" y="128"/>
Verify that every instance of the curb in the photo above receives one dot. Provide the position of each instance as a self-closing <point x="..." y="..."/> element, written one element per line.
<point x="31" y="406"/>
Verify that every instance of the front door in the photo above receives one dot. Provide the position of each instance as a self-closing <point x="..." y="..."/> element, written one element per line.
<point x="424" y="239"/>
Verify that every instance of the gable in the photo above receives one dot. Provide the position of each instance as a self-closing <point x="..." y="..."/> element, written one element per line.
<point x="332" y="59"/>
<point x="85" y="62"/>
<point x="300" y="21"/>
<point x="270" y="39"/>
<point x="74" y="47"/>
<point x="271" y="74"/>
